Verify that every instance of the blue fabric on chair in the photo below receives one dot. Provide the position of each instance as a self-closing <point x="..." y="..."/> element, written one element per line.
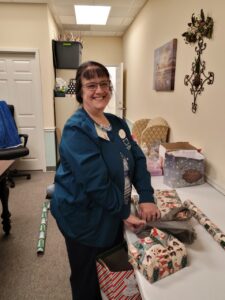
<point x="9" y="136"/>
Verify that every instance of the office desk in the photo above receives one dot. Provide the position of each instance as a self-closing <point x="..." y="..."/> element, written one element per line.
<point x="203" y="278"/>
<point x="4" y="194"/>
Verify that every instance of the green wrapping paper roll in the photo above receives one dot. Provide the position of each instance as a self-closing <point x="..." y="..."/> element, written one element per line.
<point x="43" y="228"/>
<point x="216" y="233"/>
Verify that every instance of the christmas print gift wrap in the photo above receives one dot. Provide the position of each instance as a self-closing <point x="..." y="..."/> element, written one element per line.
<point x="43" y="228"/>
<point x="158" y="255"/>
<point x="174" y="216"/>
<point x="170" y="206"/>
<point x="183" y="168"/>
<point x="182" y="230"/>
<point x="216" y="233"/>
<point x="116" y="275"/>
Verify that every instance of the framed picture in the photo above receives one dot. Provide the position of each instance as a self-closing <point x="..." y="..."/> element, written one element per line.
<point x="164" y="66"/>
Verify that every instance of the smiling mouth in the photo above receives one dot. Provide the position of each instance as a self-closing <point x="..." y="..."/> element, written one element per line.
<point x="99" y="98"/>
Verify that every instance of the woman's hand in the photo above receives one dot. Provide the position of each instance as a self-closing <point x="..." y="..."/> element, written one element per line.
<point x="149" y="212"/>
<point x="134" y="223"/>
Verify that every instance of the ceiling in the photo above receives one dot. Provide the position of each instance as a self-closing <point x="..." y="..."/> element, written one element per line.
<point x="121" y="15"/>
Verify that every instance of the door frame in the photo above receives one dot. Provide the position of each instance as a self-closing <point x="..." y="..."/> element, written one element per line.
<point x="34" y="51"/>
<point x="119" y="92"/>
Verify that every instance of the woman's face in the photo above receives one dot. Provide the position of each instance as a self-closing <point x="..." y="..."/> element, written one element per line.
<point x="96" y="93"/>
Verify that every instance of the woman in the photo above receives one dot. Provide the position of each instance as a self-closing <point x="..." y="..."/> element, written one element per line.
<point x="99" y="162"/>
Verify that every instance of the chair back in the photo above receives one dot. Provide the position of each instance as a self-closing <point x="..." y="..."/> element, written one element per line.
<point x="138" y="128"/>
<point x="156" y="131"/>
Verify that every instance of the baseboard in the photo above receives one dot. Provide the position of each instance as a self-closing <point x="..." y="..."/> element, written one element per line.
<point x="215" y="185"/>
<point x="50" y="168"/>
<point x="50" y="147"/>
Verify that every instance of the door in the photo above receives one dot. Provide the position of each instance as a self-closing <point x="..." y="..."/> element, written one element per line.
<point x="116" y="104"/>
<point x="20" y="86"/>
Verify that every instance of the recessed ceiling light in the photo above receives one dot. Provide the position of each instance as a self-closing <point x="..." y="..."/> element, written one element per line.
<point x="91" y="14"/>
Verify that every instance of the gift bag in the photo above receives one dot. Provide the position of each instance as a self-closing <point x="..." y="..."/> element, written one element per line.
<point x="116" y="275"/>
<point x="158" y="255"/>
<point x="183" y="168"/>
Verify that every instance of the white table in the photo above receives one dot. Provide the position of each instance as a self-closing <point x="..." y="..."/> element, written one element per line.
<point x="204" y="277"/>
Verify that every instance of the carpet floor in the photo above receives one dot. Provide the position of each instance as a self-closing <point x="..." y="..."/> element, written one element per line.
<point x="23" y="274"/>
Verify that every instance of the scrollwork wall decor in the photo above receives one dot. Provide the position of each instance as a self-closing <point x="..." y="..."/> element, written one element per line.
<point x="199" y="28"/>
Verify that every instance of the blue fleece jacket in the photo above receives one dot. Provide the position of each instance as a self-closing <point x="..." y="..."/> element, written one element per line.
<point x="88" y="202"/>
<point x="9" y="136"/>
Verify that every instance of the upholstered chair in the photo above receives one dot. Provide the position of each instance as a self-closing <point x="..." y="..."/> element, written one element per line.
<point x="157" y="130"/>
<point x="138" y="128"/>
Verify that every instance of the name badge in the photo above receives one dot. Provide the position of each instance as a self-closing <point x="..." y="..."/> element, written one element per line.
<point x="122" y="135"/>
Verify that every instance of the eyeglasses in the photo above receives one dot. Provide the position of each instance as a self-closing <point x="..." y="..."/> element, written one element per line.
<point x="92" y="86"/>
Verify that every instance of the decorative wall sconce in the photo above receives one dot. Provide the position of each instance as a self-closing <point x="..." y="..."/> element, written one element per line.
<point x="198" y="29"/>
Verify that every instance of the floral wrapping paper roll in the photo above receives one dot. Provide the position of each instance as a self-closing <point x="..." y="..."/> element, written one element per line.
<point x="216" y="233"/>
<point x="43" y="228"/>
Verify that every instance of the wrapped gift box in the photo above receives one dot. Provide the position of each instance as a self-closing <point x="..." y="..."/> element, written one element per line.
<point x="116" y="275"/>
<point x="167" y="147"/>
<point x="170" y="206"/>
<point x="158" y="255"/>
<point x="184" y="168"/>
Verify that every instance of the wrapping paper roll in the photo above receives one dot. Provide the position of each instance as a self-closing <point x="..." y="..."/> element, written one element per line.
<point x="43" y="228"/>
<point x="216" y="233"/>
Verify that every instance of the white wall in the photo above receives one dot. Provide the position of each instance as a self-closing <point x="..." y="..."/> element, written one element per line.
<point x="159" y="22"/>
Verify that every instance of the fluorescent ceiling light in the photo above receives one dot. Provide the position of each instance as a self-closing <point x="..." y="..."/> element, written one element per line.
<point x="91" y="14"/>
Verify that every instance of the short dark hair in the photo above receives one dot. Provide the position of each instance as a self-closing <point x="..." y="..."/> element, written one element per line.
<point x="89" y="70"/>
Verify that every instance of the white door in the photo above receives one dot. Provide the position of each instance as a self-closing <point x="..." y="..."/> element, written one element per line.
<point x="20" y="86"/>
<point x="116" y="105"/>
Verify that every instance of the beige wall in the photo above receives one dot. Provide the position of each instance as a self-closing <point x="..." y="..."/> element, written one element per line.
<point x="32" y="26"/>
<point x="106" y="50"/>
<point x="26" y="26"/>
<point x="159" y="22"/>
<point x="49" y="105"/>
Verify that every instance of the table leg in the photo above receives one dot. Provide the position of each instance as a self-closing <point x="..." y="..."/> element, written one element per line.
<point x="4" y="196"/>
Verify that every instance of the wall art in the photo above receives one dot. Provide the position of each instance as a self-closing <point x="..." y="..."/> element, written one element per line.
<point x="199" y="28"/>
<point x="164" y="66"/>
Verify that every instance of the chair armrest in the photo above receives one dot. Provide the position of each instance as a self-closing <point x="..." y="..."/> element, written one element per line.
<point x="24" y="138"/>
